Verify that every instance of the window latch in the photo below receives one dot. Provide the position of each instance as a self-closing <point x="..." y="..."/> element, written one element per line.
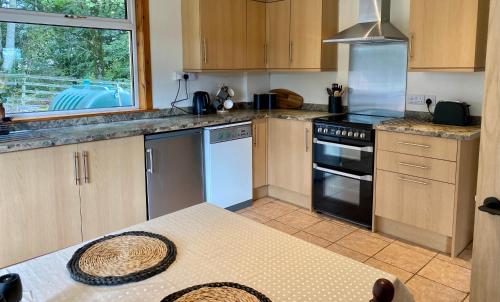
<point x="74" y="17"/>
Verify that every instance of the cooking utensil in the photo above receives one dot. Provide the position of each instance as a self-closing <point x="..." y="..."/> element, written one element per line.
<point x="329" y="91"/>
<point x="286" y="99"/>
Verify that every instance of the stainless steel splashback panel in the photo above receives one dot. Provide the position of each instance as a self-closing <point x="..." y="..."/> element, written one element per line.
<point x="377" y="79"/>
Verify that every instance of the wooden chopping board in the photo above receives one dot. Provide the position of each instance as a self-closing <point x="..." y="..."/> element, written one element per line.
<point x="286" y="99"/>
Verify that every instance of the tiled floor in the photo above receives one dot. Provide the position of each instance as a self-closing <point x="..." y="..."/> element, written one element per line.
<point x="431" y="276"/>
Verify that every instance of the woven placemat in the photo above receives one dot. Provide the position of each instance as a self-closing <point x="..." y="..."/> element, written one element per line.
<point x="123" y="258"/>
<point x="217" y="292"/>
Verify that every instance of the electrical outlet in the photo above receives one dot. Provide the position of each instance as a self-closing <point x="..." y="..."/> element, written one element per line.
<point x="179" y="75"/>
<point x="416" y="99"/>
<point x="433" y="98"/>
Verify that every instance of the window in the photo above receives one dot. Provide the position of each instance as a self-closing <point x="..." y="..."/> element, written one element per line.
<point x="69" y="56"/>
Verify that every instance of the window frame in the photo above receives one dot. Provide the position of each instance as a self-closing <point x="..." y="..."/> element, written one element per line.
<point x="136" y="22"/>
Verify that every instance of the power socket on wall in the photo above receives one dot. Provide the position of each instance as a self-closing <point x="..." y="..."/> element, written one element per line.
<point x="420" y="99"/>
<point x="179" y="75"/>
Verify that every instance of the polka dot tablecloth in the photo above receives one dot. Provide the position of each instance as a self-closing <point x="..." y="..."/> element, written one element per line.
<point x="214" y="245"/>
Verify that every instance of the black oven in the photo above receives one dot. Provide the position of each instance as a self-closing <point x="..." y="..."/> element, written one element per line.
<point x="343" y="173"/>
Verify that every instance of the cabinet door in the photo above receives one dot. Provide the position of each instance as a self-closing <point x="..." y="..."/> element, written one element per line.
<point x="278" y="34"/>
<point x="259" y="153"/>
<point x="290" y="155"/>
<point x="223" y="34"/>
<point x="305" y="34"/>
<point x="39" y="203"/>
<point x="113" y="195"/>
<point x="443" y="34"/>
<point x="256" y="35"/>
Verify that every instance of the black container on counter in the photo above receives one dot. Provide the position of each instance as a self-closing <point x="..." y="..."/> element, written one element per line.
<point x="11" y="288"/>
<point x="335" y="104"/>
<point x="265" y="101"/>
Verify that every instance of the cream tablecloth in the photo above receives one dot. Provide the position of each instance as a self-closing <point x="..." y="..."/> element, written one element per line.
<point x="218" y="246"/>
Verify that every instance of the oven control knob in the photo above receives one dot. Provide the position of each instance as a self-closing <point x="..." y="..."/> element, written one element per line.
<point x="325" y="131"/>
<point x="356" y="134"/>
<point x="338" y="132"/>
<point x="344" y="133"/>
<point x="320" y="130"/>
<point x="362" y="136"/>
<point x="350" y="134"/>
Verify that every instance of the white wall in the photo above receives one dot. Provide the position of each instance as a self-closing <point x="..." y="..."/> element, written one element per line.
<point x="166" y="56"/>
<point x="446" y="86"/>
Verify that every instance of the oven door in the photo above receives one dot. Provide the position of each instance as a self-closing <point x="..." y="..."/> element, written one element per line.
<point x="344" y="195"/>
<point x="344" y="157"/>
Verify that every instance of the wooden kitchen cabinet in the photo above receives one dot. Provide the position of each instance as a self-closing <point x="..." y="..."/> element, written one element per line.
<point x="39" y="203"/>
<point x="256" y="35"/>
<point x="113" y="190"/>
<point x="296" y="30"/>
<point x="424" y="189"/>
<point x="214" y="34"/>
<point x="449" y="35"/>
<point x="290" y="161"/>
<point x="260" y="158"/>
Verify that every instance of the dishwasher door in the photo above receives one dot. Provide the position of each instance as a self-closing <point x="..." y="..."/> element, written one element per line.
<point x="174" y="171"/>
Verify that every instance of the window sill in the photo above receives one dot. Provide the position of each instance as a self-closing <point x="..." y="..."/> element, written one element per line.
<point x="71" y="116"/>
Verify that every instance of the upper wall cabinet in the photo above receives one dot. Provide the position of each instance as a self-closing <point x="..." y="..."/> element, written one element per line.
<point x="448" y="35"/>
<point x="214" y="34"/>
<point x="256" y="35"/>
<point x="295" y="33"/>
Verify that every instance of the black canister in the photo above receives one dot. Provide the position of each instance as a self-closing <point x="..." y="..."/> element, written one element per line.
<point x="265" y="101"/>
<point x="335" y="104"/>
<point x="11" y="288"/>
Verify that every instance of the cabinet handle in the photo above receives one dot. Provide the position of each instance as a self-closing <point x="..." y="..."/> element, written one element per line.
<point x="413" y="166"/>
<point x="413" y="181"/>
<point x="86" y="177"/>
<point x="412" y="37"/>
<point x="307" y="139"/>
<point x="491" y="206"/>
<point x="150" y="169"/>
<point x="205" y="57"/>
<point x="255" y="143"/>
<point x="76" y="162"/>
<point x="414" y="145"/>
<point x="291" y="52"/>
<point x="265" y="54"/>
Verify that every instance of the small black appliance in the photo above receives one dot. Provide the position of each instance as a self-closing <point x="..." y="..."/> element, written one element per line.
<point x="264" y="101"/>
<point x="201" y="102"/>
<point x="11" y="288"/>
<point x="452" y="113"/>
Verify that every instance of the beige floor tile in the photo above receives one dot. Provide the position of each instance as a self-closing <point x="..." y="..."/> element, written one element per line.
<point x="463" y="260"/>
<point x="467" y="299"/>
<point x="329" y="230"/>
<point x="255" y="216"/>
<point x="312" y="239"/>
<point x="403" y="257"/>
<point x="274" y="209"/>
<point x="401" y="274"/>
<point x="448" y="274"/>
<point x="242" y="211"/>
<point x="425" y="290"/>
<point x="417" y="248"/>
<point x="363" y="243"/>
<point x="262" y="201"/>
<point x="344" y="223"/>
<point x="314" y="214"/>
<point x="347" y="252"/>
<point x="298" y="220"/>
<point x="382" y="236"/>
<point x="282" y="227"/>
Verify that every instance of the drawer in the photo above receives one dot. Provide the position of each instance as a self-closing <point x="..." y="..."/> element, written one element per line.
<point x="433" y="147"/>
<point x="418" y="202"/>
<point x="435" y="169"/>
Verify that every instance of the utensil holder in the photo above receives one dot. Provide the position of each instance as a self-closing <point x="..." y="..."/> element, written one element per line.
<point x="11" y="288"/>
<point x="335" y="104"/>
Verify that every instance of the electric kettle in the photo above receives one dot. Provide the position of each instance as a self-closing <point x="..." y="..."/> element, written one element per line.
<point x="201" y="102"/>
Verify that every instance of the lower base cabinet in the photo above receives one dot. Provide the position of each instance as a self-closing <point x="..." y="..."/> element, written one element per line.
<point x="57" y="197"/>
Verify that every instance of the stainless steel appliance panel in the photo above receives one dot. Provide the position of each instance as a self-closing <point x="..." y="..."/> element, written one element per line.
<point x="174" y="163"/>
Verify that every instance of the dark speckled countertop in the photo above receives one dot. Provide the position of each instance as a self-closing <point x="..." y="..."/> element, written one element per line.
<point x="419" y="127"/>
<point x="33" y="139"/>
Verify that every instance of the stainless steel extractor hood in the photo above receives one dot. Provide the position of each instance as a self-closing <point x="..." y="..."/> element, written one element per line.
<point x="373" y="25"/>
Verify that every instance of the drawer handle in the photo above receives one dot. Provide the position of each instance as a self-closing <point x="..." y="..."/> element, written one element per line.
<point x="414" y="166"/>
<point x="414" y="145"/>
<point x="413" y="181"/>
<point x="491" y="206"/>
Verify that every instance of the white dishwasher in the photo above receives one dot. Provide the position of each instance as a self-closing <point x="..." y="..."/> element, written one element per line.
<point x="228" y="165"/>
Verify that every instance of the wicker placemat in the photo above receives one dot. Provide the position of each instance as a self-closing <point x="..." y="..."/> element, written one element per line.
<point x="123" y="258"/>
<point x="217" y="292"/>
